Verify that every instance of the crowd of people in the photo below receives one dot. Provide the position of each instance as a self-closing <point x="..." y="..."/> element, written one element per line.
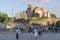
<point x="39" y="31"/>
<point x="36" y="31"/>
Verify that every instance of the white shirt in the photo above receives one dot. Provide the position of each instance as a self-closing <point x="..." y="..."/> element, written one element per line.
<point x="18" y="31"/>
<point x="35" y="33"/>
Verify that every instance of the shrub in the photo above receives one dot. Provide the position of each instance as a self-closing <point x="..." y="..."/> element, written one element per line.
<point x="58" y="24"/>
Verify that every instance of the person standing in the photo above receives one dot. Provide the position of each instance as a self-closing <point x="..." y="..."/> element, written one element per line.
<point x="32" y="30"/>
<point x="35" y="33"/>
<point x="17" y="33"/>
<point x="56" y="29"/>
<point x="39" y="31"/>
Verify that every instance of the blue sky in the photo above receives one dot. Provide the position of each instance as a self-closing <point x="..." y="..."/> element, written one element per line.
<point x="21" y="5"/>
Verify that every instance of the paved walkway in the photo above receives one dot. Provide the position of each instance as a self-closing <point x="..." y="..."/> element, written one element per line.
<point x="27" y="36"/>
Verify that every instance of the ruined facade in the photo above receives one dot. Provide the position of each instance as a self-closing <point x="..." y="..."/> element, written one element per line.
<point x="37" y="12"/>
<point x="31" y="11"/>
<point x="21" y="15"/>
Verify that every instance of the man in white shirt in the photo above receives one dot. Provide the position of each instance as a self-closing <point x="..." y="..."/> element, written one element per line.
<point x="17" y="33"/>
<point x="35" y="33"/>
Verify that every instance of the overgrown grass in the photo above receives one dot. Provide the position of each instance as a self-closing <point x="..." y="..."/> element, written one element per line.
<point x="35" y="19"/>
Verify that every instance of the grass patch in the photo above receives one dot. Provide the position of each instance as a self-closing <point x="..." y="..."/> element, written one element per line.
<point x="35" y="19"/>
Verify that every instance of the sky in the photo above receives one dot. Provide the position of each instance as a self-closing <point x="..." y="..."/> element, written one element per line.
<point x="12" y="6"/>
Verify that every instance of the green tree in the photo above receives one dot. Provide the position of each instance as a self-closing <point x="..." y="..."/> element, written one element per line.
<point x="0" y="13"/>
<point x="5" y="16"/>
<point x="58" y="24"/>
<point x="53" y="15"/>
<point x="2" y="19"/>
<point x="9" y="19"/>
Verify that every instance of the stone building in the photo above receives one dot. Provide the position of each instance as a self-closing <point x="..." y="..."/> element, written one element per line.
<point x="31" y="11"/>
<point x="37" y="12"/>
<point x="47" y="14"/>
<point x="21" y="15"/>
